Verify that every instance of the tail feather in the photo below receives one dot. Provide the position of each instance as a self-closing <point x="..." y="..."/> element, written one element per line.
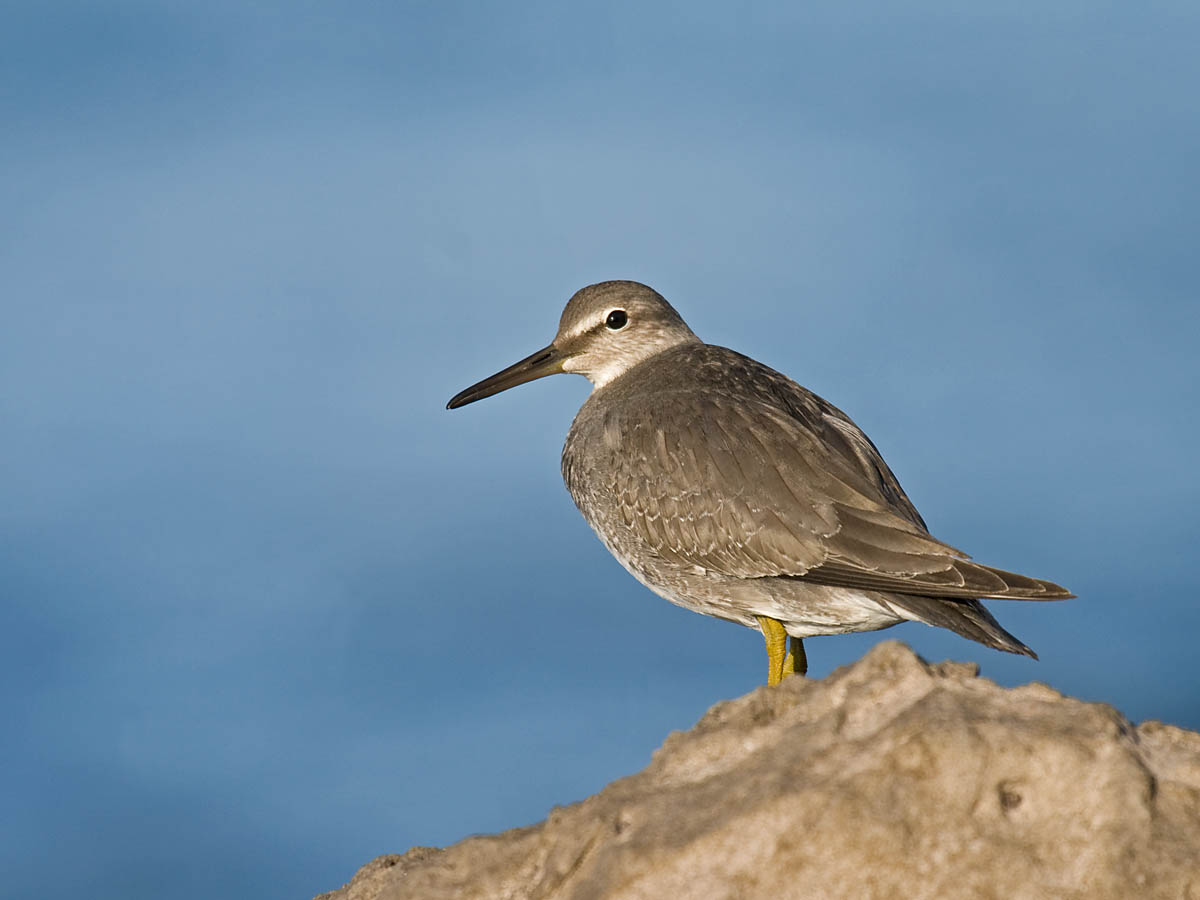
<point x="966" y="617"/>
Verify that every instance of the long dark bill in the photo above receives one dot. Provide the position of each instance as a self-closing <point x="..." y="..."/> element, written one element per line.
<point x="547" y="361"/>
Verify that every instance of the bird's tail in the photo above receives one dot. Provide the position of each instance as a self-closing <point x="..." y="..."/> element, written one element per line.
<point x="966" y="617"/>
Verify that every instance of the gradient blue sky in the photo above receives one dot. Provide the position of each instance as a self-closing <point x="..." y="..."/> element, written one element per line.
<point x="268" y="610"/>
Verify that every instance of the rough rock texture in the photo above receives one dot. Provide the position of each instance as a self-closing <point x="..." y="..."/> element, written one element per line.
<point x="890" y="778"/>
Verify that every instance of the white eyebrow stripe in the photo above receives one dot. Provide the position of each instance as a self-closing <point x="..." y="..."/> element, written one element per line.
<point x="585" y="327"/>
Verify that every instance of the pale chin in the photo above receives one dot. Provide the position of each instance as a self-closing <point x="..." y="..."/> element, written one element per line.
<point x="598" y="377"/>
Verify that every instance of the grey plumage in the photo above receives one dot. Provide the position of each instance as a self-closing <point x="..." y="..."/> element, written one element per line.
<point x="729" y="489"/>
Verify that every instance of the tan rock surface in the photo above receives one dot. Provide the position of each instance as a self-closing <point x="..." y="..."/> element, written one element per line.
<point x="890" y="778"/>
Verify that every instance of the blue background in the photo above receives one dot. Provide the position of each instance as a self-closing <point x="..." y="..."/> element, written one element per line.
<point x="269" y="610"/>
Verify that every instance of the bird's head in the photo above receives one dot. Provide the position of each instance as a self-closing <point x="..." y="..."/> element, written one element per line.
<point x="605" y="330"/>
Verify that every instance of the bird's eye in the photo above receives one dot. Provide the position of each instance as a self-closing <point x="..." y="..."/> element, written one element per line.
<point x="617" y="319"/>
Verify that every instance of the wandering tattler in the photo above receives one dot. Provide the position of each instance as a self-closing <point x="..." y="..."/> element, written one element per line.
<point x="729" y="489"/>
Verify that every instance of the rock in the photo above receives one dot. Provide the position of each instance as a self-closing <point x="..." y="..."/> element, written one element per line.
<point x="889" y="778"/>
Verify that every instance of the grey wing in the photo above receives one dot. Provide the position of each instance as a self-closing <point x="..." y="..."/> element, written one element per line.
<point x="750" y="490"/>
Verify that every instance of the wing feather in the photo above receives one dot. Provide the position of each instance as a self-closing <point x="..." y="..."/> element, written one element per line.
<point x="750" y="487"/>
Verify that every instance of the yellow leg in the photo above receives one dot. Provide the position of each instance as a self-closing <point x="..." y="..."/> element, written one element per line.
<point x="784" y="658"/>
<point x="797" y="659"/>
<point x="777" y="655"/>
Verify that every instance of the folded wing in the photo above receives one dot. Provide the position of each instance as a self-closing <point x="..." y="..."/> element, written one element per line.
<point x="750" y="488"/>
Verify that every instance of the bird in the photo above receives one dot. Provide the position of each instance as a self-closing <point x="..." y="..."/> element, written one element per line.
<point x="728" y="489"/>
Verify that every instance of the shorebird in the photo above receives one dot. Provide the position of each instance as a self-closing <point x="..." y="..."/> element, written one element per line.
<point x="729" y="489"/>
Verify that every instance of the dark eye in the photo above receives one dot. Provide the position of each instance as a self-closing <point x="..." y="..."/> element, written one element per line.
<point x="617" y="319"/>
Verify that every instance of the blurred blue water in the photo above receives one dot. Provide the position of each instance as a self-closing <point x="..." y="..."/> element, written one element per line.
<point x="269" y="610"/>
